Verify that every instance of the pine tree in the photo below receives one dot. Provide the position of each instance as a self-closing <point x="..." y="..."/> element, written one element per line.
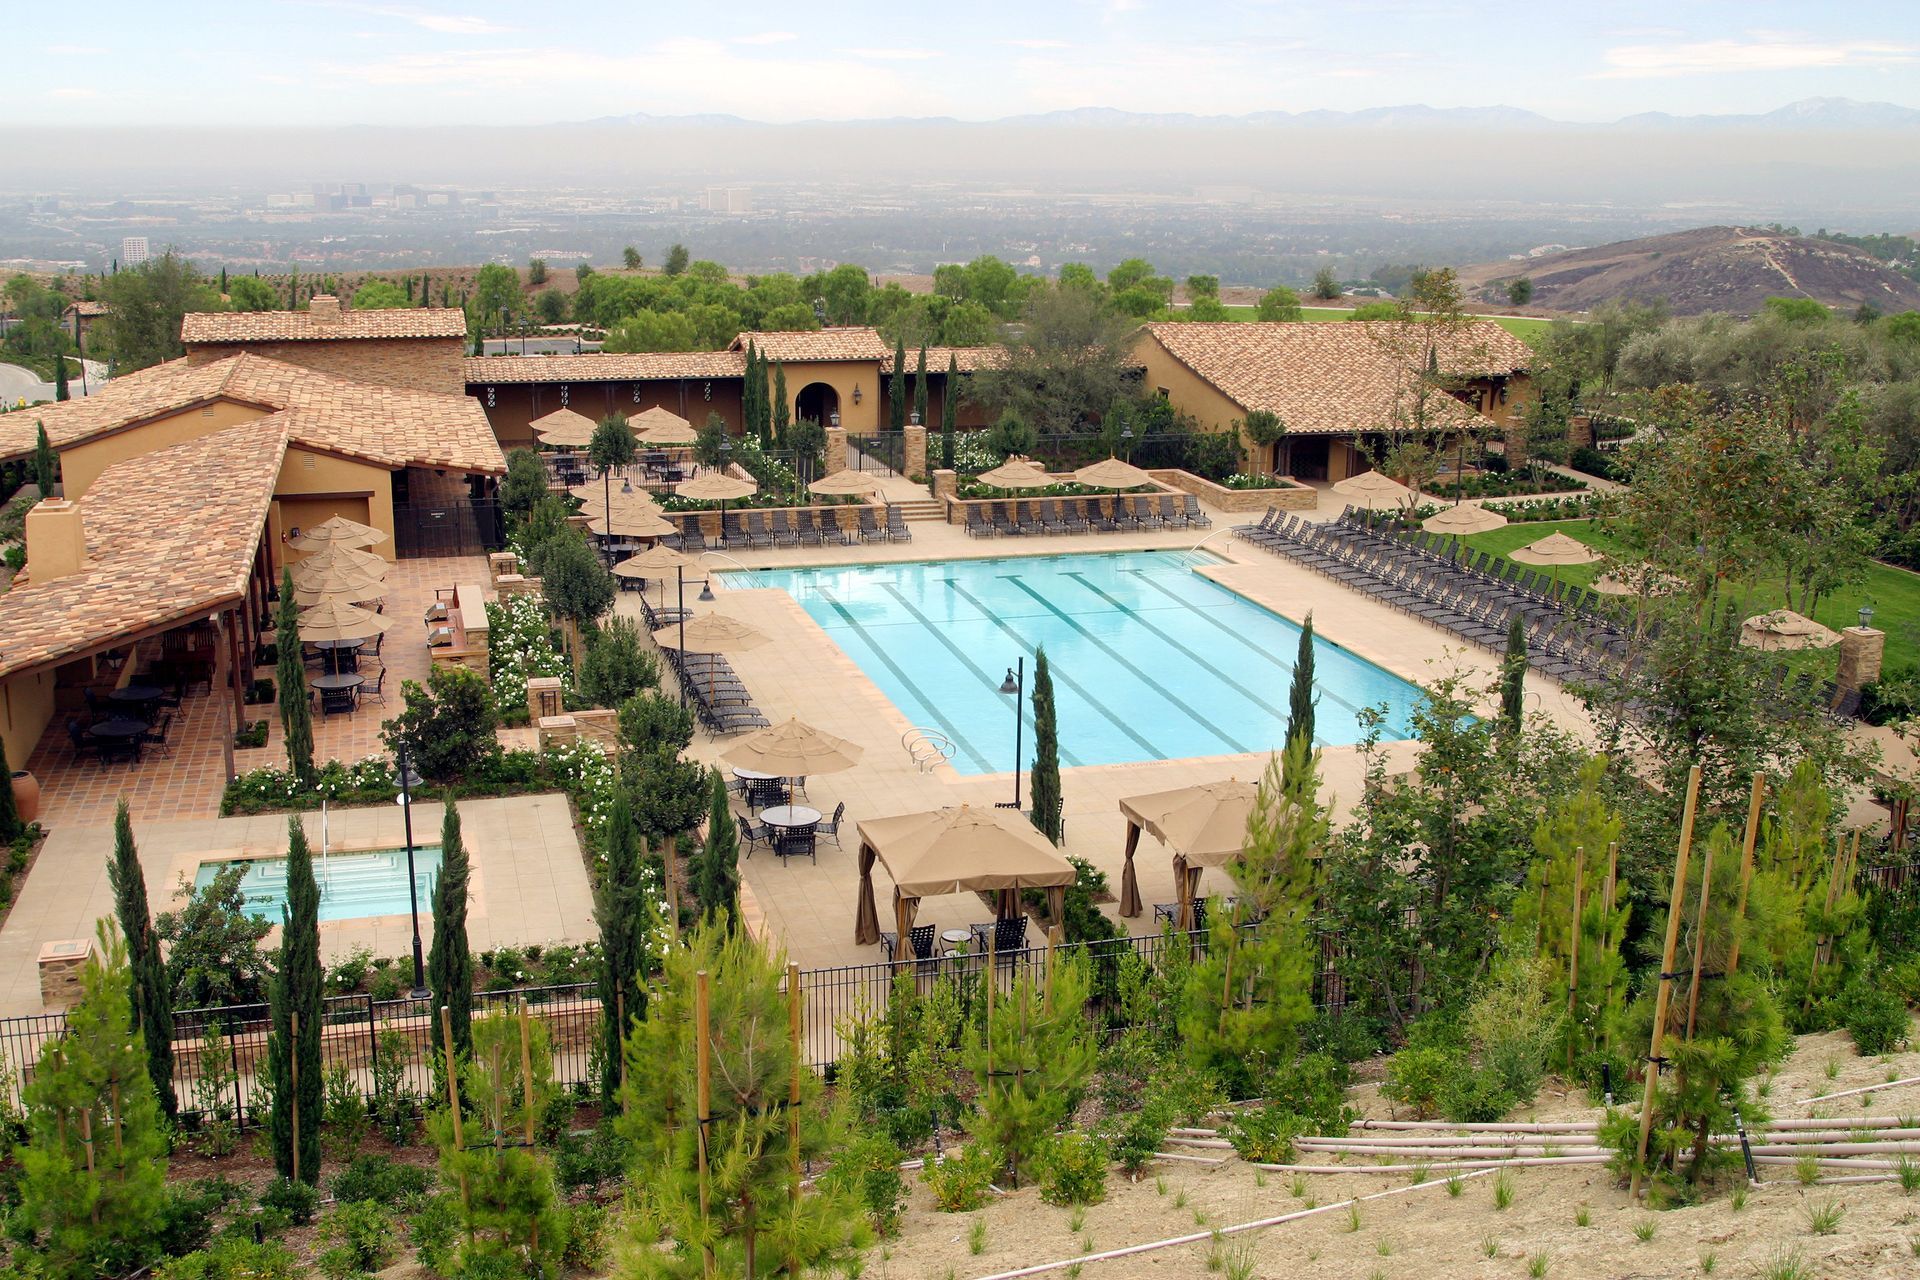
<point x="296" y="714"/>
<point x="449" y="960"/>
<point x="897" y="389"/>
<point x="94" y="1168"/>
<point x="920" y="388"/>
<point x="294" y="1072"/>
<point x="60" y="389"/>
<point x="716" y="876"/>
<point x="624" y="916"/>
<point x="46" y="464"/>
<point x="1031" y="1060"/>
<point x="1513" y="679"/>
<point x="949" y="413"/>
<point x="152" y="994"/>
<point x="758" y="1221"/>
<point x="1300" y="699"/>
<point x="782" y="407"/>
<point x="1045" y="780"/>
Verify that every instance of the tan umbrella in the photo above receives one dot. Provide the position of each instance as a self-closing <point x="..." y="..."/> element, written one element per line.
<point x="844" y="482"/>
<point x="1784" y="629"/>
<point x="337" y="620"/>
<point x="336" y="531"/>
<point x="1556" y="549"/>
<point x="1204" y="826"/>
<point x="596" y="497"/>
<point x="342" y="587"/>
<point x="793" y="750"/>
<point x="716" y="487"/>
<point x="1112" y="474"/>
<point x="1016" y="473"/>
<point x="1627" y="581"/>
<point x="321" y="567"/>
<point x="1464" y="520"/>
<point x="1374" y="491"/>
<point x="646" y="524"/>
<point x="662" y="426"/>
<point x="956" y="851"/>
<point x="565" y="428"/>
<point x="656" y="561"/>
<point x="712" y="633"/>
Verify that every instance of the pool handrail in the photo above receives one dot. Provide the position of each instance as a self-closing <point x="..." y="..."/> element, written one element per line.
<point x="928" y="748"/>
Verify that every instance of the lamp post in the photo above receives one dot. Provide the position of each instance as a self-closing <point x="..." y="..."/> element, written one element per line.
<point x="1016" y="684"/>
<point x="680" y="574"/>
<point x="1866" y="616"/>
<point x="408" y="780"/>
<point x="1126" y="441"/>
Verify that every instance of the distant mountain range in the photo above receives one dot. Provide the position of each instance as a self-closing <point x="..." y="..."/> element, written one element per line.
<point x="1807" y="114"/>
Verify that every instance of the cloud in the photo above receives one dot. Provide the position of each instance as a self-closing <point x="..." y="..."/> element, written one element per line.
<point x="1036" y="44"/>
<point x="892" y="55"/>
<point x="73" y="91"/>
<point x="766" y="37"/>
<point x="1760" y="51"/>
<point x="76" y="50"/>
<point x="448" y="24"/>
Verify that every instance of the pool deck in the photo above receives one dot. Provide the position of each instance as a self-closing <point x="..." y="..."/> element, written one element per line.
<point x="804" y="674"/>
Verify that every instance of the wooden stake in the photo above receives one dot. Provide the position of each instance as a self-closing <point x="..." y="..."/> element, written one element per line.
<point x="1573" y="955"/>
<point x="793" y="1099"/>
<point x="497" y="1103"/>
<point x="703" y="1066"/>
<point x="1610" y="899"/>
<point x="1699" y="938"/>
<point x="1675" y="902"/>
<point x="526" y="1066"/>
<point x="86" y="1143"/>
<point x="1824" y="949"/>
<point x="293" y="1058"/>
<point x="1747" y="844"/>
<point x="453" y="1109"/>
<point x="1053" y="940"/>
<point x="620" y="1013"/>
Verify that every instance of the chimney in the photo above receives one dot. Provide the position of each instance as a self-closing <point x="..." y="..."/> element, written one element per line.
<point x="324" y="308"/>
<point x="56" y="540"/>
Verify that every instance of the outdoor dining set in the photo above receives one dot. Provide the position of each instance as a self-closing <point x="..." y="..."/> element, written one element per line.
<point x="127" y="722"/>
<point x="339" y="633"/>
<point x="770" y="772"/>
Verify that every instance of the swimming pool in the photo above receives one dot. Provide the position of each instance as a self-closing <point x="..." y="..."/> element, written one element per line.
<point x="352" y="885"/>
<point x="1150" y="660"/>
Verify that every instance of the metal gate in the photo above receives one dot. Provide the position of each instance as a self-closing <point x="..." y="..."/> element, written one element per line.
<point x="464" y="528"/>
<point x="883" y="451"/>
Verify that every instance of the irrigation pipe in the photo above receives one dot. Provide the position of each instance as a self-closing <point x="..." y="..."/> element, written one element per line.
<point x="1542" y="1126"/>
<point x="1484" y="1165"/>
<point x="1199" y="1236"/>
<point x="1854" y="1093"/>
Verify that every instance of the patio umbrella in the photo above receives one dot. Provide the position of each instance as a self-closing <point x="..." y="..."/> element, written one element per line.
<point x="321" y="567"/>
<point x="1016" y="473"/>
<point x="844" y="482"/>
<point x="1556" y="549"/>
<point x="646" y="524"/>
<point x="956" y="851"/>
<point x="1784" y="629"/>
<point x="715" y="486"/>
<point x="1465" y="519"/>
<point x="660" y="425"/>
<point x="344" y="586"/>
<point x="1631" y="581"/>
<point x="1373" y="491"/>
<point x="336" y="531"/>
<point x="594" y="497"/>
<point x="711" y="633"/>
<point x="793" y="750"/>
<point x="656" y="561"/>
<point x="1204" y="826"/>
<point x="338" y="620"/>
<point x="565" y="428"/>
<point x="1112" y="473"/>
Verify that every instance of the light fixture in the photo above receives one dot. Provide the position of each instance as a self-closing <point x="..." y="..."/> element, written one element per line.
<point x="856" y="393"/>
<point x="1008" y="686"/>
<point x="834" y="419"/>
<point x="914" y="418"/>
<point x="626" y="483"/>
<point x="706" y="589"/>
<point x="1866" y="616"/>
<point x="406" y="779"/>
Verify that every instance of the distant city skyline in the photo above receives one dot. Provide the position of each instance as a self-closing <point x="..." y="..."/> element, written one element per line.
<point x="488" y="62"/>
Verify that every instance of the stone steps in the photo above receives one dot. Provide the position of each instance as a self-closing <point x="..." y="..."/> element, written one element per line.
<point x="923" y="509"/>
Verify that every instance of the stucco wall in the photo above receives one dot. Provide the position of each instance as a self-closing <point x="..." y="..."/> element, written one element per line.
<point x="313" y="486"/>
<point x="26" y="709"/>
<point x="843" y="376"/>
<point x="1187" y="391"/>
<point x="422" y="364"/>
<point x="512" y="406"/>
<point x="81" y="464"/>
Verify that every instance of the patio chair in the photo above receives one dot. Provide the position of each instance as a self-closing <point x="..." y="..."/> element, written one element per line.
<point x="1195" y="516"/>
<point x="373" y="690"/>
<point x="869" y="527"/>
<point x="784" y="534"/>
<point x="831" y="827"/>
<point x="77" y="735"/>
<point x="1145" y="513"/>
<point x="1073" y="516"/>
<point x="752" y="833"/>
<point x="977" y="523"/>
<point x="1003" y="519"/>
<point x="759" y="532"/>
<point x="831" y="529"/>
<point x="897" y="529"/>
<point x="1009" y="938"/>
<point x="796" y="843"/>
<point x="332" y="700"/>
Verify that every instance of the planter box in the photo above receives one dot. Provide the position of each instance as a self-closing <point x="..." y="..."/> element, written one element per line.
<point x="1290" y="497"/>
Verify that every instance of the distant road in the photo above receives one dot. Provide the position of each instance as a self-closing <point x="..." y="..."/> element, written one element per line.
<point x="17" y="383"/>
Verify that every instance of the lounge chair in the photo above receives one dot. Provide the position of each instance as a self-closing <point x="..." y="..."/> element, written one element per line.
<point x="897" y="528"/>
<point x="1195" y="516"/>
<point x="1002" y="518"/>
<point x="1050" y="521"/>
<point x="869" y="527"/>
<point x="784" y="534"/>
<point x="978" y="526"/>
<point x="759" y="532"/>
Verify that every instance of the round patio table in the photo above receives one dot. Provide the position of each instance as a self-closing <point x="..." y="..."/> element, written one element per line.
<point x="118" y="728"/>
<point x="345" y="680"/>
<point x="790" y="817"/>
<point x="137" y="695"/>
<point x="344" y="646"/>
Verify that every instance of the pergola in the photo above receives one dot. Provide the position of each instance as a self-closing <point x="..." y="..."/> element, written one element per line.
<point x="1204" y="826"/>
<point x="957" y="850"/>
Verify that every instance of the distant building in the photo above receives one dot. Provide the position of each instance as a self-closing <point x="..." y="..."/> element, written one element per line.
<point x="418" y="348"/>
<point x="728" y="200"/>
<point x="134" y="251"/>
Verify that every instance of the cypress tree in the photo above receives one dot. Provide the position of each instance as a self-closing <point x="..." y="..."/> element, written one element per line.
<point x="716" y="876"/>
<point x="896" y="391"/>
<point x="60" y="389"/>
<point x="46" y="464"/>
<point x="782" y="407"/>
<point x="1513" y="678"/>
<point x="920" y="387"/>
<point x="296" y="714"/>
<point x="949" y="413"/>
<point x="151" y="994"/>
<point x="619" y="908"/>
<point x="1300" y="699"/>
<point x="409" y="283"/>
<point x="449" y="961"/>
<point x="1046" y="751"/>
<point x="294" y="1072"/>
<point x="293" y="289"/>
<point x="223" y="281"/>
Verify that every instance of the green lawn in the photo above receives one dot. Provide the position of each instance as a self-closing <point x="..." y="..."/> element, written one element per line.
<point x="1893" y="593"/>
<point x="1518" y="326"/>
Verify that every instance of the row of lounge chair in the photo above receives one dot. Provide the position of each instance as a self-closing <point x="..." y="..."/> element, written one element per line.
<point x="1566" y="637"/>
<point x="719" y="698"/>
<point x="1085" y="515"/>
<point x="802" y="527"/>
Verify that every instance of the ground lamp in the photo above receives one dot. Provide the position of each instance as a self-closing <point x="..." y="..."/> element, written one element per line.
<point x="913" y="418"/>
<point x="1866" y="616"/>
<point x="406" y="779"/>
<point x="1016" y="684"/>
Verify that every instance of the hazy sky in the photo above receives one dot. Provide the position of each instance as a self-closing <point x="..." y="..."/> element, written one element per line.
<point x="310" y="62"/>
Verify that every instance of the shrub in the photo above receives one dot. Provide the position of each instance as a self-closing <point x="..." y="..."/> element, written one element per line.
<point x="296" y="1201"/>
<point x="959" y="1183"/>
<point x="1419" y="1076"/>
<point x="586" y="1247"/>
<point x="1876" y="1018"/>
<point x="1264" y="1135"/>
<point x="872" y="1162"/>
<point x="1140" y="1134"/>
<point x="383" y="1180"/>
<point x="448" y="724"/>
<point x="213" y="945"/>
<point x="360" y="1236"/>
<point x="1511" y="1027"/>
<point x="1073" y="1169"/>
<point x="616" y="666"/>
<point x="434" y="1230"/>
<point x="234" y="1258"/>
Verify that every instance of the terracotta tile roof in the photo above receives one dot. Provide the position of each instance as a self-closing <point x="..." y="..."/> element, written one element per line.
<point x="852" y="342"/>
<point x="88" y="307"/>
<point x="966" y="359"/>
<point x="599" y="366"/>
<point x="170" y="536"/>
<point x="1325" y="377"/>
<point x="322" y="325"/>
<point x="391" y="426"/>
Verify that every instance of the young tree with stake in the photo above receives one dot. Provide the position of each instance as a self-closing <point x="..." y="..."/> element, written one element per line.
<point x="449" y="960"/>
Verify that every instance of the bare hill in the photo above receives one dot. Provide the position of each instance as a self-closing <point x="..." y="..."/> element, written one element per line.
<point x="1706" y="269"/>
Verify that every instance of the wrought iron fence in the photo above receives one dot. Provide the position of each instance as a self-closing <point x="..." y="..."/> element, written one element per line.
<point x="882" y="451"/>
<point x="468" y="527"/>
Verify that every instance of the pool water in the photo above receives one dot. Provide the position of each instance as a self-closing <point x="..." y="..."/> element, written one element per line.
<point x="352" y="885"/>
<point x="1150" y="660"/>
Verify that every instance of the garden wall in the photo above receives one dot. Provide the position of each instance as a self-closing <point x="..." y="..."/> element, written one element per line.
<point x="1294" y="497"/>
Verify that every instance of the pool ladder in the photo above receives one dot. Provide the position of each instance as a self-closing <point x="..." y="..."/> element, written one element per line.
<point x="928" y="748"/>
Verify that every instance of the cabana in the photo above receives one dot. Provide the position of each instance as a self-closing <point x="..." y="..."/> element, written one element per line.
<point x="957" y="851"/>
<point x="1204" y="826"/>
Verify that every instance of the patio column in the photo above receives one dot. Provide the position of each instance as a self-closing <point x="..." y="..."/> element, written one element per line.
<point x="236" y="678"/>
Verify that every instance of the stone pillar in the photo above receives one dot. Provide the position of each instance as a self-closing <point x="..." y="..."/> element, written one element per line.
<point x="945" y="483"/>
<point x="544" y="699"/>
<point x="61" y="964"/>
<point x="915" y="463"/>
<point x="836" y="450"/>
<point x="1516" y="441"/>
<point x="1861" y="651"/>
<point x="500" y="564"/>
<point x="555" y="731"/>
<point x="1580" y="430"/>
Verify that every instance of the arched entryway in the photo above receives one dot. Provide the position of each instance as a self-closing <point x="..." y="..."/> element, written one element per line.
<point x="817" y="401"/>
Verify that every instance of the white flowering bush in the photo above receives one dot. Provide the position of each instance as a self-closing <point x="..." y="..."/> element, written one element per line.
<point x="519" y="647"/>
<point x="366" y="781"/>
<point x="971" y="452"/>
